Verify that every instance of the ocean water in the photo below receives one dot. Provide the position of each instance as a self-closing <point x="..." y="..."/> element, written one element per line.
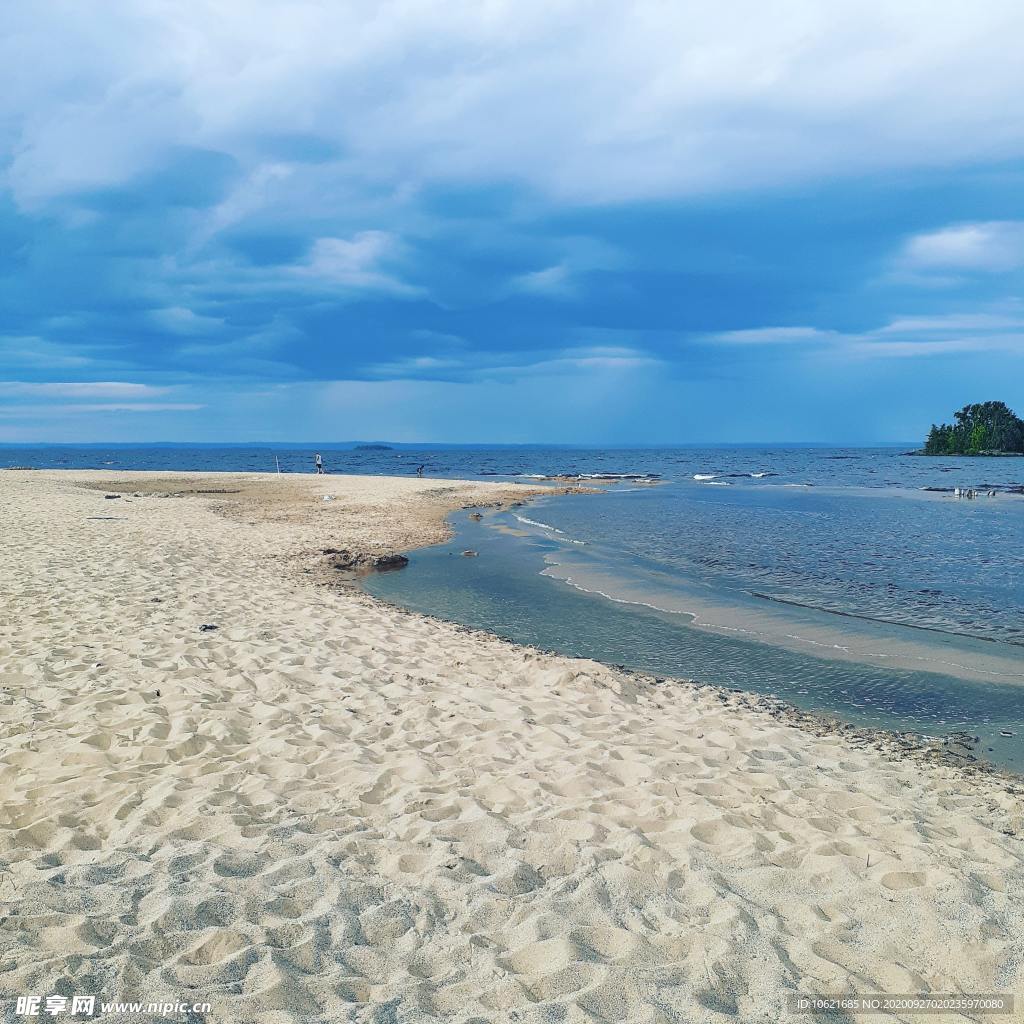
<point x="846" y="581"/>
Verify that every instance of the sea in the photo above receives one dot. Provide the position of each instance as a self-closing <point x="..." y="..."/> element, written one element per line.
<point x="850" y="582"/>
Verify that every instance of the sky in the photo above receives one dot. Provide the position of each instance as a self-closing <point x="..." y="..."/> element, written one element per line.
<point x="490" y="221"/>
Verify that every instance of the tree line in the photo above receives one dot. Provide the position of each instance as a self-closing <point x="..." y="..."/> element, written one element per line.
<point x="983" y="427"/>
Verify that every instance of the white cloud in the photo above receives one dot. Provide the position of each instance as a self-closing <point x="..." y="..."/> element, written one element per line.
<point x="80" y="389"/>
<point x="26" y="351"/>
<point x="483" y="365"/>
<point x="181" y="320"/>
<point x="49" y="399"/>
<point x="412" y="367"/>
<point x="774" y="336"/>
<point x="903" y="337"/>
<point x="582" y="100"/>
<point x="874" y="347"/>
<point x="554" y="280"/>
<point x="597" y="360"/>
<point x="996" y="245"/>
<point x="83" y="408"/>
<point x="261" y="186"/>
<point x="953" y="322"/>
<point x="358" y="263"/>
<point x="565" y="278"/>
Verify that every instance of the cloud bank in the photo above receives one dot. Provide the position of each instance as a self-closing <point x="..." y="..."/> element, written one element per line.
<point x="215" y="200"/>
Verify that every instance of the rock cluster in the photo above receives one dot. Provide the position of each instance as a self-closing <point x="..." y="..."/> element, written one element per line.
<point x="357" y="561"/>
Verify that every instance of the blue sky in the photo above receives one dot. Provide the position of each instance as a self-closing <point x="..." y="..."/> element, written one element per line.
<point x="579" y="222"/>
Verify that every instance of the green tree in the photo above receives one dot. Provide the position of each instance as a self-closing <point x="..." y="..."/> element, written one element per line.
<point x="985" y="426"/>
<point x="979" y="439"/>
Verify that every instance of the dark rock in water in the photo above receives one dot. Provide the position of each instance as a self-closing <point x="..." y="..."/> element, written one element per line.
<point x="384" y="563"/>
<point x="469" y="553"/>
<point x="208" y="627"/>
<point x="476" y="516"/>
<point x="353" y="561"/>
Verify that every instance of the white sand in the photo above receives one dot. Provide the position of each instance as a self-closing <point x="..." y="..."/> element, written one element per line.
<point x="331" y="810"/>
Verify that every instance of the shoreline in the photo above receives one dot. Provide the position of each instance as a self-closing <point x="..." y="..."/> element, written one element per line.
<point x="300" y="803"/>
<point x="953" y="750"/>
<point x="923" y="750"/>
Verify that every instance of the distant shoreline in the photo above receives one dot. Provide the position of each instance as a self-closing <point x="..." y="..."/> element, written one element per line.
<point x="965" y="455"/>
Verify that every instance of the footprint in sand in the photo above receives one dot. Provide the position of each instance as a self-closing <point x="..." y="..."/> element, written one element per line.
<point x="904" y="879"/>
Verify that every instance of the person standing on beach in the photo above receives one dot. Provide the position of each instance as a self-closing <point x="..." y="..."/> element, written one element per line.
<point x="319" y="463"/>
<point x="419" y="470"/>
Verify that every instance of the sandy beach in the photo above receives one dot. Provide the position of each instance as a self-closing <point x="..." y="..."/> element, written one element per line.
<point x="227" y="776"/>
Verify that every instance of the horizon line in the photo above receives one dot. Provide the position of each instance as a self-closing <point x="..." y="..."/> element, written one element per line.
<point x="257" y="443"/>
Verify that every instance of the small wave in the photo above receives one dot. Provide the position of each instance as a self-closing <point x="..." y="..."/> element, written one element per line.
<point x="550" y="529"/>
<point x="542" y="526"/>
<point x="876" y="618"/>
<point x="619" y="476"/>
<point x="716" y="483"/>
<point x="704" y="476"/>
<point x="591" y="476"/>
<point x="570" y="581"/>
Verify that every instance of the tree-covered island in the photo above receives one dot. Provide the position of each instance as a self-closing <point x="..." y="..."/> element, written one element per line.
<point x="988" y="428"/>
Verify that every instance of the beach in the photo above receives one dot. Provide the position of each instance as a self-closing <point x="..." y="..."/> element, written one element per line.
<point x="228" y="776"/>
